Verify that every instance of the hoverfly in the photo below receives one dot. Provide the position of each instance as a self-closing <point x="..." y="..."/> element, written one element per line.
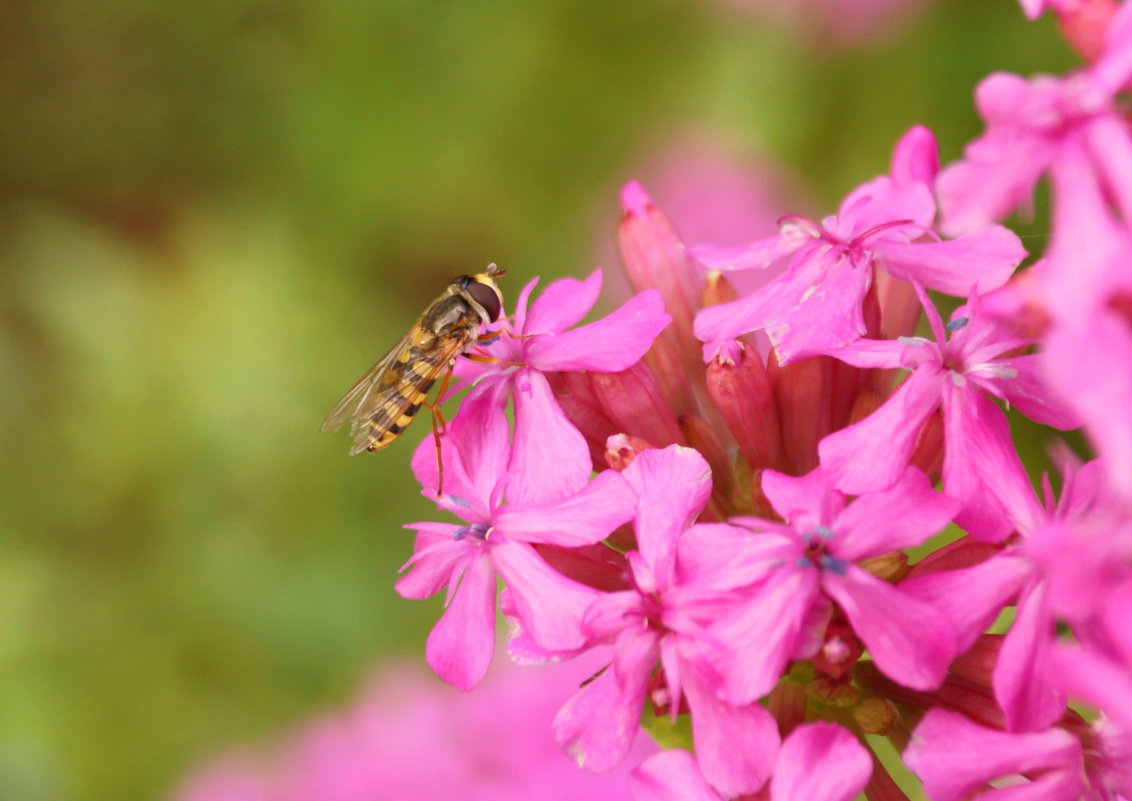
<point x="383" y="402"/>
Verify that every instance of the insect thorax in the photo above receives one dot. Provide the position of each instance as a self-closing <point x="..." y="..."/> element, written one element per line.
<point x="450" y="316"/>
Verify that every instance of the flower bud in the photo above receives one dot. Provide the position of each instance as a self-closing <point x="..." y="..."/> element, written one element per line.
<point x="743" y="394"/>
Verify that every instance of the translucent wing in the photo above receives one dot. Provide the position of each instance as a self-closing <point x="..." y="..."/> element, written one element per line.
<point x="364" y="397"/>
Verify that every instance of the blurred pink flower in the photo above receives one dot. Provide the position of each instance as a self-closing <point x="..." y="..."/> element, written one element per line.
<point x="411" y="737"/>
<point x="844" y="21"/>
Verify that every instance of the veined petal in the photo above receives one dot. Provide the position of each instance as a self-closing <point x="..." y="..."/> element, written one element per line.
<point x="562" y="304"/>
<point x="615" y="342"/>
<point x="904" y="515"/>
<point x="730" y="320"/>
<point x="672" y="486"/>
<point x="735" y="745"/>
<point x="820" y="762"/>
<point x="671" y="775"/>
<point x="911" y="642"/>
<point x="984" y="260"/>
<point x="549" y="459"/>
<point x="547" y="604"/>
<point x="583" y="518"/>
<point x="1021" y="684"/>
<point x="597" y="725"/>
<point x="955" y="757"/>
<point x="882" y="200"/>
<point x="872" y="454"/>
<point x="460" y="646"/>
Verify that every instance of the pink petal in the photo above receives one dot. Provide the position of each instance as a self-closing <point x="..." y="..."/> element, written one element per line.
<point x="902" y="516"/>
<point x="671" y="775"/>
<point x="735" y="746"/>
<point x="979" y="462"/>
<point x="437" y="554"/>
<point x="1085" y="354"/>
<point x="672" y="486"/>
<point x="730" y="320"/>
<point x="757" y="255"/>
<point x="803" y="501"/>
<point x="721" y="557"/>
<point x="825" y="293"/>
<point x="615" y="342"/>
<point x="1032" y="397"/>
<point x="999" y="169"/>
<point x="562" y="304"/>
<point x="971" y="597"/>
<point x="872" y="454"/>
<point x="762" y="633"/>
<point x="547" y="604"/>
<point x="550" y="459"/>
<point x="881" y="353"/>
<point x="1021" y="688"/>
<point x="911" y="642"/>
<point x="882" y="201"/>
<point x="583" y="518"/>
<point x="955" y="757"/>
<point x="1090" y="677"/>
<point x="460" y="646"/>
<point x="820" y="762"/>
<point x="597" y="725"/>
<point x="984" y="260"/>
<point x="915" y="159"/>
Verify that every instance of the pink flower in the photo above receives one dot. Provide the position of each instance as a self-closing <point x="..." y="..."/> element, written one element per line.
<point x="817" y="762"/>
<point x="816" y="305"/>
<point x="956" y="373"/>
<point x="1029" y="122"/>
<point x="411" y="737"/>
<point x="549" y="458"/>
<point x="796" y="569"/>
<point x="498" y="540"/>
<point x="956" y="759"/>
<point x="663" y="618"/>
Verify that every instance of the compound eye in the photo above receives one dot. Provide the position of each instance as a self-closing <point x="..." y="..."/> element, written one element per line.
<point x="487" y="297"/>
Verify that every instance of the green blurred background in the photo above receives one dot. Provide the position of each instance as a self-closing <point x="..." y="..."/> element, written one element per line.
<point x="215" y="215"/>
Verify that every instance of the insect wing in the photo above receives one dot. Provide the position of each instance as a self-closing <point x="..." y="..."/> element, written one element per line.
<point x="363" y="398"/>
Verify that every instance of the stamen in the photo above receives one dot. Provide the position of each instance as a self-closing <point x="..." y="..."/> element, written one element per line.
<point x="477" y="530"/>
<point x="956" y="324"/>
<point x="834" y="565"/>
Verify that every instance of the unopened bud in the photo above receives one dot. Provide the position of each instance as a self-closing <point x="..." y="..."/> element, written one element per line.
<point x="622" y="449"/>
<point x="743" y="394"/>
<point x="890" y="567"/>
<point x="633" y="400"/>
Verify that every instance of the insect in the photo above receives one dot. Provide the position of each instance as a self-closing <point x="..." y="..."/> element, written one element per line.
<point x="383" y="402"/>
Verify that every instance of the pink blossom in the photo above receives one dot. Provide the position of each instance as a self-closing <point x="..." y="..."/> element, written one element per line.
<point x="964" y="364"/>
<point x="549" y="458"/>
<point x="663" y="618"/>
<point x="817" y="762"/>
<point x="1028" y="124"/>
<point x="816" y="305"/>
<point x="795" y="570"/>
<point x="411" y="737"/>
<point x="498" y="540"/>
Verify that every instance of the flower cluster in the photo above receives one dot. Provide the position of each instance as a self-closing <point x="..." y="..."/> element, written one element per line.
<point x="724" y="489"/>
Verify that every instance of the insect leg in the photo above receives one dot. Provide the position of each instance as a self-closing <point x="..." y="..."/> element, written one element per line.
<point x="476" y="356"/>
<point x="434" y="407"/>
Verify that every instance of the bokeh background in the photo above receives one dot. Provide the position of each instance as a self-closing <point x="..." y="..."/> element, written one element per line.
<point x="215" y="215"/>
